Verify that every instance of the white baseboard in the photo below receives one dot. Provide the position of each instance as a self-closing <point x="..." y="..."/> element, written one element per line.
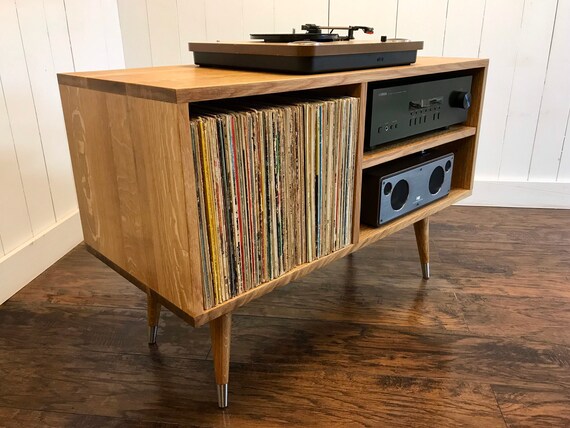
<point x="20" y="266"/>
<point x="519" y="194"/>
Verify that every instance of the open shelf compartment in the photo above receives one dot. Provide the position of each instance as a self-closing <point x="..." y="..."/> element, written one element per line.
<point x="415" y="144"/>
<point x="461" y="182"/>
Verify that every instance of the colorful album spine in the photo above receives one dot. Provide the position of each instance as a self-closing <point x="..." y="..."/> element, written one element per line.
<point x="275" y="188"/>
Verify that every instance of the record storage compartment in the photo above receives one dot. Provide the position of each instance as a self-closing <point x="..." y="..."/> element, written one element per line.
<point x="135" y="174"/>
<point x="275" y="182"/>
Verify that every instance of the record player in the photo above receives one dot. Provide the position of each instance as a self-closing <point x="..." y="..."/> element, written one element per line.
<point x="314" y="51"/>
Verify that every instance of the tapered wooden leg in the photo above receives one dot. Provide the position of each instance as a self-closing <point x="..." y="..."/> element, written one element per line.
<point x="422" y="239"/>
<point x="153" y="312"/>
<point x="220" y="331"/>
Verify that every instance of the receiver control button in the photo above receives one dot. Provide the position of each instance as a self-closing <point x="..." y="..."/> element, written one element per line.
<point x="460" y="99"/>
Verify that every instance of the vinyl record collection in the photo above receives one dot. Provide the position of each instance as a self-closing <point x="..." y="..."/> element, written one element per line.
<point x="275" y="182"/>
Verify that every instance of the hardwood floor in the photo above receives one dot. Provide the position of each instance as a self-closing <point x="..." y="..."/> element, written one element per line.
<point x="364" y="342"/>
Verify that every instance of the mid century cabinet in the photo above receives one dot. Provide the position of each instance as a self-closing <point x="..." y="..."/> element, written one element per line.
<point x="128" y="133"/>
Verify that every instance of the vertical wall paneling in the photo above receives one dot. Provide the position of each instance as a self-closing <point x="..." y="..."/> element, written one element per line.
<point x="15" y="227"/>
<point x="87" y="34"/>
<point x="23" y="123"/>
<point x="528" y="84"/>
<point x="60" y="45"/>
<point x="555" y="105"/>
<point x="380" y="14"/>
<point x="163" y="31"/>
<point x="499" y="41"/>
<point x="135" y="33"/>
<point x="43" y="82"/>
<point x="191" y="25"/>
<point x="112" y="32"/>
<point x="224" y="20"/>
<point x="564" y="168"/>
<point x="423" y="20"/>
<point x="258" y="17"/>
<point x="463" y="28"/>
<point x="27" y="261"/>
<point x="294" y="13"/>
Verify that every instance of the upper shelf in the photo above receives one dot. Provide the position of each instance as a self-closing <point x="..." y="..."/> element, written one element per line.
<point x="189" y="83"/>
<point x="416" y="144"/>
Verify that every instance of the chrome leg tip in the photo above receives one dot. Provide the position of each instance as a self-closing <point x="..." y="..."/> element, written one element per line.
<point x="223" y="396"/>
<point x="152" y="334"/>
<point x="425" y="270"/>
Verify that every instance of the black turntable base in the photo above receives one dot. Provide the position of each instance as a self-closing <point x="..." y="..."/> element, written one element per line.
<point x="307" y="53"/>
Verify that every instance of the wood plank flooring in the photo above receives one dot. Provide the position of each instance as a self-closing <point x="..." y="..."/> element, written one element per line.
<point x="364" y="342"/>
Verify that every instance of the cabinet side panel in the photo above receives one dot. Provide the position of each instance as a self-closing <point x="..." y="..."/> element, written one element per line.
<point x="134" y="243"/>
<point x="155" y="132"/>
<point x="192" y="215"/>
<point x="360" y="92"/>
<point x="89" y="137"/>
<point x="466" y="174"/>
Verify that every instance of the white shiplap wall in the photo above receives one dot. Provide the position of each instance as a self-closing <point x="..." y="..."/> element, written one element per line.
<point x="527" y="104"/>
<point x="546" y="163"/>
<point x="522" y="156"/>
<point x="38" y="209"/>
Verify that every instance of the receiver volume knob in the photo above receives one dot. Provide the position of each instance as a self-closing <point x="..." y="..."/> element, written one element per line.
<point x="460" y="99"/>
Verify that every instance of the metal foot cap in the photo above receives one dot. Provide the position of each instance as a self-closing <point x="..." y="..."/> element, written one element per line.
<point x="152" y="334"/>
<point x="425" y="270"/>
<point x="223" y="396"/>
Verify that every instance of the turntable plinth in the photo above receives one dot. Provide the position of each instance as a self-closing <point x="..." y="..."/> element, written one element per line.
<point x="305" y="57"/>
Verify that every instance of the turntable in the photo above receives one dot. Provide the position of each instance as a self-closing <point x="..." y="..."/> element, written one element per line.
<point x="311" y="52"/>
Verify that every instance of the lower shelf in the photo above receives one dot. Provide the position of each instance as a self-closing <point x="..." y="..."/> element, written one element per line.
<point x="369" y="234"/>
<point x="260" y="290"/>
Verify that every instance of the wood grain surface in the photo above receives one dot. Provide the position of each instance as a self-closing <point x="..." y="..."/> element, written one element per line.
<point x="361" y="91"/>
<point x="133" y="189"/>
<point x="152" y="308"/>
<point x="467" y="157"/>
<point x="183" y="84"/>
<point x="221" y="333"/>
<point x="421" y="229"/>
<point x="416" y="144"/>
<point x="362" y="342"/>
<point x="291" y="49"/>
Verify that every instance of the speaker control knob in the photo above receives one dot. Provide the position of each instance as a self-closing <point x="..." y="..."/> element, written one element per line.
<point x="460" y="99"/>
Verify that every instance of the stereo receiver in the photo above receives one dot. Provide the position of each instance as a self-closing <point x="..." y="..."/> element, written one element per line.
<point x="408" y="109"/>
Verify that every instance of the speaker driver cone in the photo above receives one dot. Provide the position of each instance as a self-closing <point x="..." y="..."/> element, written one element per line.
<point x="400" y="195"/>
<point x="436" y="180"/>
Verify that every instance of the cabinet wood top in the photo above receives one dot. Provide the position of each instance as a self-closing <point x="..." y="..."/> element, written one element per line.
<point x="190" y="83"/>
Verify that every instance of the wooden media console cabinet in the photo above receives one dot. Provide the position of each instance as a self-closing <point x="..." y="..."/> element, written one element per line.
<point x="131" y="150"/>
